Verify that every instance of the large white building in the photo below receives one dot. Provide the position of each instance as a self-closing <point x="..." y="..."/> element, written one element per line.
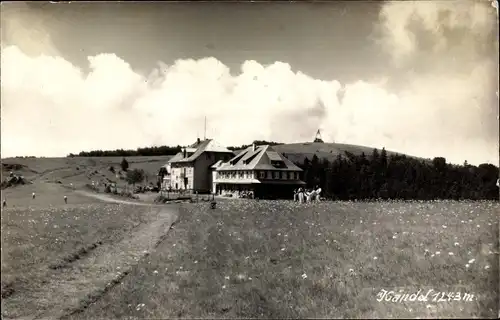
<point x="259" y="169"/>
<point x="190" y="168"/>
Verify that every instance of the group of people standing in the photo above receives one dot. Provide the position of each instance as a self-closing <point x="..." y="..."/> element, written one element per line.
<point x="306" y="195"/>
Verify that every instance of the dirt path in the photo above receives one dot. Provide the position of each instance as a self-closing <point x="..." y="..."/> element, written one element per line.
<point x="71" y="288"/>
<point x="106" y="198"/>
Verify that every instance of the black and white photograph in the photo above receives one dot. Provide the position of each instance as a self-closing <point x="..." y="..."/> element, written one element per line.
<point x="250" y="159"/>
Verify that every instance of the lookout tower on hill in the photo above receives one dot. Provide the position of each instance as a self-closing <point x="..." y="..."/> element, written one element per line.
<point x="318" y="137"/>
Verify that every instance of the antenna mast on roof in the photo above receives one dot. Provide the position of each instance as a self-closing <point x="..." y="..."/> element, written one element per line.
<point x="205" y="130"/>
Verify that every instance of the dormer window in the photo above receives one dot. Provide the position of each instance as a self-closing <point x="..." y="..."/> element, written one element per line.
<point x="278" y="164"/>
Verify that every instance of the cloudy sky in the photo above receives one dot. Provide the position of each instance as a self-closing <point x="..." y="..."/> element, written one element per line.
<point x="414" y="77"/>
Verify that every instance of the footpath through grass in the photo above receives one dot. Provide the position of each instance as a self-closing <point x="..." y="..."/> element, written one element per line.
<point x="39" y="240"/>
<point x="268" y="259"/>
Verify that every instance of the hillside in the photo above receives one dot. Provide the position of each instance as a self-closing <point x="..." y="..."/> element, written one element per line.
<point x="297" y="152"/>
<point x="78" y="170"/>
<point x="82" y="170"/>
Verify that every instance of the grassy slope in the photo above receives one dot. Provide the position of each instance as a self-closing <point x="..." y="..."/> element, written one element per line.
<point x="299" y="151"/>
<point x="40" y="232"/>
<point x="41" y="235"/>
<point x="247" y="259"/>
<point x="80" y="170"/>
<point x="49" y="169"/>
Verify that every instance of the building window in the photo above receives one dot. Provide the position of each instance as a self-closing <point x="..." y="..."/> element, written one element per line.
<point x="291" y="176"/>
<point x="269" y="175"/>
<point x="284" y="175"/>
<point x="262" y="175"/>
<point x="233" y="174"/>
<point x="241" y="174"/>
<point x="276" y="175"/>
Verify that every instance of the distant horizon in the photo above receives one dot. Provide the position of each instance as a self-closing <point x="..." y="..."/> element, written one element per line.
<point x="249" y="144"/>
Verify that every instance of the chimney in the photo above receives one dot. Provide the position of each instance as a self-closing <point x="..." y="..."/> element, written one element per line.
<point x="253" y="147"/>
<point x="185" y="153"/>
<point x="198" y="140"/>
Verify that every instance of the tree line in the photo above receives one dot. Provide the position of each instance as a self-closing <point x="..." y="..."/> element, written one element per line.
<point x="154" y="151"/>
<point x="147" y="151"/>
<point x="256" y="142"/>
<point x="379" y="176"/>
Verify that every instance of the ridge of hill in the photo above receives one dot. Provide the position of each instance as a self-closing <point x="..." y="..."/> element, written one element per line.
<point x="79" y="170"/>
<point x="82" y="168"/>
<point x="297" y="152"/>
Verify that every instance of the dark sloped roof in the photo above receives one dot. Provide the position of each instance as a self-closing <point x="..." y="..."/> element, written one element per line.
<point x="273" y="156"/>
<point x="199" y="150"/>
<point x="217" y="164"/>
<point x="202" y="146"/>
<point x="176" y="158"/>
<point x="259" y="159"/>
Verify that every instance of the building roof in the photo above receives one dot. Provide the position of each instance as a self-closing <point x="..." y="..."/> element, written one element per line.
<point x="214" y="146"/>
<point x="217" y="164"/>
<point x="261" y="158"/>
<point x="208" y="145"/>
<point x="175" y="158"/>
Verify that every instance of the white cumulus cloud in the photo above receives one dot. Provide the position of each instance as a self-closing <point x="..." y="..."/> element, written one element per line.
<point x="51" y="107"/>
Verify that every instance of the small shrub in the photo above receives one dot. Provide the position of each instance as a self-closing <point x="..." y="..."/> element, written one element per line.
<point x="135" y="176"/>
<point x="124" y="164"/>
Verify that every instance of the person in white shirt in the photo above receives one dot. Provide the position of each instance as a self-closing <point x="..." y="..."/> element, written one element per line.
<point x="310" y="195"/>
<point x="318" y="193"/>
<point x="301" y="195"/>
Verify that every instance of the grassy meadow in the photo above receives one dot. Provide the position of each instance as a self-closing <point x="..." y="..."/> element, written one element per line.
<point x="38" y="242"/>
<point x="246" y="259"/>
<point x="80" y="170"/>
<point x="270" y="259"/>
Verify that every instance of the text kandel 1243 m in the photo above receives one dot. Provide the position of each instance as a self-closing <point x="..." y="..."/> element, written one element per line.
<point x="431" y="295"/>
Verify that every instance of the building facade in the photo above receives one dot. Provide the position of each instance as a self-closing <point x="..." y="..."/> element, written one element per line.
<point x="190" y="169"/>
<point x="259" y="170"/>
